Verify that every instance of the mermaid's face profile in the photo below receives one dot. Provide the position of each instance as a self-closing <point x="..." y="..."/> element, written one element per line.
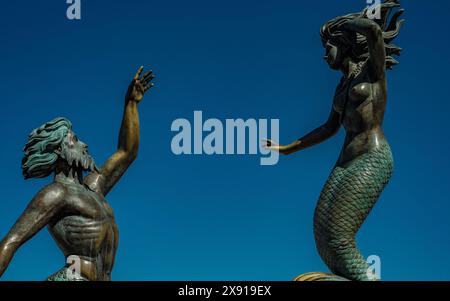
<point x="334" y="55"/>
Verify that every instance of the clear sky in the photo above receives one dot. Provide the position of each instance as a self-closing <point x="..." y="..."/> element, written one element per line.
<point x="224" y="217"/>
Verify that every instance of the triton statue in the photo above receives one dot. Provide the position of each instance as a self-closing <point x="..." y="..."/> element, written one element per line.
<point x="74" y="208"/>
<point x="361" y="49"/>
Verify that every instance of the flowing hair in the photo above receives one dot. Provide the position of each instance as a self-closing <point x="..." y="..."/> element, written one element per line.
<point x="40" y="157"/>
<point x="357" y="43"/>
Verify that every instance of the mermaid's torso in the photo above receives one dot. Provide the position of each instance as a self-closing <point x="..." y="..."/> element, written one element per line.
<point x="361" y="104"/>
<point x="87" y="229"/>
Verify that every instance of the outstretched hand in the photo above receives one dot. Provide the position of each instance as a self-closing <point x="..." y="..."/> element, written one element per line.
<point x="270" y="145"/>
<point x="140" y="85"/>
<point x="282" y="149"/>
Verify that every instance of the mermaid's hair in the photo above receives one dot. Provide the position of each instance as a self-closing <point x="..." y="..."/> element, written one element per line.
<point x="357" y="43"/>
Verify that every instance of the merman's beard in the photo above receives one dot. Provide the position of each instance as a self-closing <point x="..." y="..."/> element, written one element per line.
<point x="78" y="158"/>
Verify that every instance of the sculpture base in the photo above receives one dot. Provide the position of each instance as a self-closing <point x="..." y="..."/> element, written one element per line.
<point x="317" y="276"/>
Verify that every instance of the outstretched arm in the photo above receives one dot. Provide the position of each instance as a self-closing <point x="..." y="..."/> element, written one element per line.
<point x="103" y="180"/>
<point x="44" y="206"/>
<point x="319" y="135"/>
<point x="374" y="35"/>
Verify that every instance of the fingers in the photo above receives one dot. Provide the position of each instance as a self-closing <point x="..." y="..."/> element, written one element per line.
<point x="147" y="78"/>
<point x="138" y="74"/>
<point x="268" y="142"/>
<point x="272" y="148"/>
<point x="148" y="87"/>
<point x="148" y="74"/>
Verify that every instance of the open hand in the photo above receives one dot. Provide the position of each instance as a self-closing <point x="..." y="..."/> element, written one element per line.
<point x="269" y="144"/>
<point x="282" y="149"/>
<point x="139" y="85"/>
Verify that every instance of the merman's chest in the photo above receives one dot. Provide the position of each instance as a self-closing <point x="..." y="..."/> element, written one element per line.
<point x="88" y="203"/>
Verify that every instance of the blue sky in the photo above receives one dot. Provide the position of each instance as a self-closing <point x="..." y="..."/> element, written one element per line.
<point x="224" y="217"/>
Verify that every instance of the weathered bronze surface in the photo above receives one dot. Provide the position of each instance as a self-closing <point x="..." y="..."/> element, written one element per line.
<point x="361" y="49"/>
<point x="74" y="208"/>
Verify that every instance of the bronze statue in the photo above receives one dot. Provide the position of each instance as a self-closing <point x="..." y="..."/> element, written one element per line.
<point x="361" y="49"/>
<point x="74" y="208"/>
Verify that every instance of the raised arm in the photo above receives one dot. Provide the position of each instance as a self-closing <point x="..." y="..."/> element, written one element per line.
<point x="319" y="135"/>
<point x="44" y="206"/>
<point x="375" y="42"/>
<point x="104" y="179"/>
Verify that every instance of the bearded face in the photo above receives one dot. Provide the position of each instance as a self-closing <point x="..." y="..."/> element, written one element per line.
<point x="75" y="152"/>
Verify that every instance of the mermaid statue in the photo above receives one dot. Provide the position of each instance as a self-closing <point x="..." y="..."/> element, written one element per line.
<point x="359" y="46"/>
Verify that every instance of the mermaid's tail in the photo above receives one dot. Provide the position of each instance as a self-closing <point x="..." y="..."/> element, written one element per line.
<point x="346" y="200"/>
<point x="64" y="275"/>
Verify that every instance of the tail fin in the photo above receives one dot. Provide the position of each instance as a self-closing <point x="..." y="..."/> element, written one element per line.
<point x="317" y="276"/>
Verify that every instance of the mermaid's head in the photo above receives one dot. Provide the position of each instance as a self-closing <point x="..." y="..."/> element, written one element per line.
<point x="340" y="44"/>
